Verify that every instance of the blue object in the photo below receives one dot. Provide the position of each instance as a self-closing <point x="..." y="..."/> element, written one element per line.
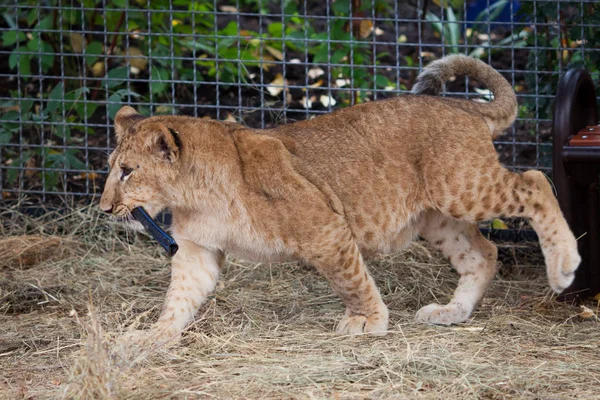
<point x="163" y="238"/>
<point x="475" y="7"/>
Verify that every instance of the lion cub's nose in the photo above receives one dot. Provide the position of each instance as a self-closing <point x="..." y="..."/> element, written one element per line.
<point x="107" y="210"/>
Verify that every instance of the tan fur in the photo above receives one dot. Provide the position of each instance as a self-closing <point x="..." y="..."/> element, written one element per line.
<point x="327" y="191"/>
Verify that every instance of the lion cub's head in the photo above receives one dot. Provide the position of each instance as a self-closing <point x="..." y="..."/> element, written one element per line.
<point x="142" y="167"/>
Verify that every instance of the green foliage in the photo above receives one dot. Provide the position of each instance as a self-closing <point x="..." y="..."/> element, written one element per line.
<point x="141" y="48"/>
<point x="556" y="46"/>
<point x="450" y="28"/>
<point x="145" y="50"/>
<point x="351" y="46"/>
<point x="157" y="46"/>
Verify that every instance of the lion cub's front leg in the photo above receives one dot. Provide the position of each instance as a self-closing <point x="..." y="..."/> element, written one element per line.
<point x="194" y="275"/>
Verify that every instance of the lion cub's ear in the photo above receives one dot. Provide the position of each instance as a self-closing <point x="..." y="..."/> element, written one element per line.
<point x="164" y="142"/>
<point x="124" y="119"/>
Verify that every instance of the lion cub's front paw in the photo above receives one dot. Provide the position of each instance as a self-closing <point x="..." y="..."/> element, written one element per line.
<point x="562" y="261"/>
<point x="152" y="338"/>
<point x="351" y="324"/>
<point x="442" y="315"/>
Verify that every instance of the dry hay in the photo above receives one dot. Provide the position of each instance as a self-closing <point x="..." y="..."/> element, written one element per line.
<point x="27" y="250"/>
<point x="267" y="331"/>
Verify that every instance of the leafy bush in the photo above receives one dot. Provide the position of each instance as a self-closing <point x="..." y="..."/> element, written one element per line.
<point x="450" y="29"/>
<point x="557" y="46"/>
<point x="76" y="63"/>
<point x="137" y="59"/>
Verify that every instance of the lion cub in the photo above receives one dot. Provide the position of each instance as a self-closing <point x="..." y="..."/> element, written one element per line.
<point x="364" y="179"/>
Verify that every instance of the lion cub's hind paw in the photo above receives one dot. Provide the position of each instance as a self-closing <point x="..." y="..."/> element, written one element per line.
<point x="375" y="324"/>
<point x="438" y="314"/>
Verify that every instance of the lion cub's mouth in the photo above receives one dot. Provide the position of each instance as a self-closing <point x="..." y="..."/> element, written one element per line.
<point x="123" y="216"/>
<point x="122" y="213"/>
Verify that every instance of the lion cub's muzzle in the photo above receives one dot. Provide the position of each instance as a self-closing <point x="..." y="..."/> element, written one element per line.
<point x="120" y="211"/>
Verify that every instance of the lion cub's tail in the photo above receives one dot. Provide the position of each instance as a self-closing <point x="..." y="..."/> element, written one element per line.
<point x="499" y="114"/>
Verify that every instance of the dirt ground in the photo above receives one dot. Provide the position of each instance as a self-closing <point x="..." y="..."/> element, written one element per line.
<point x="70" y="283"/>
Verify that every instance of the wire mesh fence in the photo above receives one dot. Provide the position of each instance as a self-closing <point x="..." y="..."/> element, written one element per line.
<point x="67" y="67"/>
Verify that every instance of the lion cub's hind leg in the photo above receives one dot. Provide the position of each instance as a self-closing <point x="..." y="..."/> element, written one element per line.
<point x="471" y="254"/>
<point x="538" y="204"/>
<point x="335" y="254"/>
<point x="499" y="192"/>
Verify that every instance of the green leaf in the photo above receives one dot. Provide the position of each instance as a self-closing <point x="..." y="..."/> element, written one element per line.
<point x="321" y="55"/>
<point x="359" y="58"/>
<point x="51" y="179"/>
<point x="71" y="161"/>
<point x="72" y="16"/>
<point x="12" y="116"/>
<point x="48" y="58"/>
<point x="5" y="137"/>
<point x="92" y="51"/>
<point x="498" y="224"/>
<point x="63" y="132"/>
<point x="231" y="29"/>
<point x="24" y="65"/>
<point x="120" y="73"/>
<point x="319" y="36"/>
<point x="46" y="23"/>
<point x="13" y="59"/>
<point x="85" y="109"/>
<point x="54" y="158"/>
<point x="9" y="20"/>
<point x="11" y="37"/>
<point x="338" y="55"/>
<point x="275" y="29"/>
<point x="453" y="30"/>
<point x="436" y="23"/>
<point x="381" y="81"/>
<point x="12" y="175"/>
<point x="492" y="11"/>
<point x="33" y="44"/>
<point x="77" y="93"/>
<point x="113" y="106"/>
<point x="158" y="75"/>
<point x="361" y="74"/>
<point x="225" y="44"/>
<point x="341" y="7"/>
<point x="39" y="118"/>
<point x="32" y="16"/>
<point x="197" y="45"/>
<point x="26" y="105"/>
<point x="120" y="3"/>
<point x="55" y="95"/>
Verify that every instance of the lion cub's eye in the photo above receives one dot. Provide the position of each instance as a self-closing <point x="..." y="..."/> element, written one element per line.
<point x="125" y="172"/>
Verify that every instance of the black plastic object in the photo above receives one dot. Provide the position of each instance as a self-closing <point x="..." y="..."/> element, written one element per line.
<point x="576" y="169"/>
<point x="165" y="240"/>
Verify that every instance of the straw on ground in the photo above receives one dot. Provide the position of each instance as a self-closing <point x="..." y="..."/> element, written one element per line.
<point x="267" y="332"/>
